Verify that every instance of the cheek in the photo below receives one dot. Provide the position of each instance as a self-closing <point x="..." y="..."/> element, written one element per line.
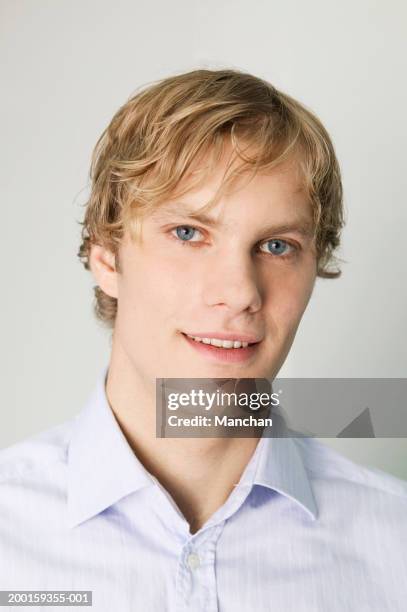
<point x="288" y="297"/>
<point x="155" y="285"/>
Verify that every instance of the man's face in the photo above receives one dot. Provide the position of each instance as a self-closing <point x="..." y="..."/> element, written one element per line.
<point x="249" y="275"/>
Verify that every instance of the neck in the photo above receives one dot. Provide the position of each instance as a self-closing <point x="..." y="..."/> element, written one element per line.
<point x="199" y="473"/>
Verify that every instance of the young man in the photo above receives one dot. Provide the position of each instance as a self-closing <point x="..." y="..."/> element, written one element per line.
<point x="216" y="201"/>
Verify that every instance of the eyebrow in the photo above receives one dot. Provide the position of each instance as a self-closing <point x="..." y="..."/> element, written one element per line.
<point x="301" y="225"/>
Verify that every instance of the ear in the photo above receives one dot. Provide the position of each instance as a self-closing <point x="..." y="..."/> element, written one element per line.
<point x="102" y="265"/>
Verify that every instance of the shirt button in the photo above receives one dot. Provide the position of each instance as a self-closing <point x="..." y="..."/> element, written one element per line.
<point x="193" y="561"/>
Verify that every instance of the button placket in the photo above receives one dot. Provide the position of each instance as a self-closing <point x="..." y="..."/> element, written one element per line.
<point x="196" y="578"/>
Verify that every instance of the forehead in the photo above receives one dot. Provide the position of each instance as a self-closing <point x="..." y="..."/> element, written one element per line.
<point x="279" y="191"/>
<point x="226" y="164"/>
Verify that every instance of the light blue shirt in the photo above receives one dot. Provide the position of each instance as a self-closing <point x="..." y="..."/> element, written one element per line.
<point x="305" y="529"/>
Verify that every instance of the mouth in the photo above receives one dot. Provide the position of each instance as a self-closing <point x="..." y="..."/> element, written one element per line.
<point x="227" y="350"/>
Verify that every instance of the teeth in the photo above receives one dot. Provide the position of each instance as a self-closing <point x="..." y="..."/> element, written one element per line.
<point x="220" y="343"/>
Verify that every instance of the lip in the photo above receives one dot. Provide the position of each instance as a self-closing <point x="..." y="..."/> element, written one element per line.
<point x="215" y="353"/>
<point x="227" y="336"/>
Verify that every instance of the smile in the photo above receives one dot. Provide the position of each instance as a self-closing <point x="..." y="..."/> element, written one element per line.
<point x="216" y="349"/>
<point x="227" y="344"/>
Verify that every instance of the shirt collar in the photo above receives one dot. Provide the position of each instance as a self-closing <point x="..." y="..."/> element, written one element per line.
<point x="102" y="467"/>
<point x="280" y="467"/>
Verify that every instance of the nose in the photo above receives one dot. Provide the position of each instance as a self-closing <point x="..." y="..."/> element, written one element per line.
<point x="232" y="281"/>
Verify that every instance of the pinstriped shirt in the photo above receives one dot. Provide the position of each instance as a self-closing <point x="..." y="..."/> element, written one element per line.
<point x="305" y="529"/>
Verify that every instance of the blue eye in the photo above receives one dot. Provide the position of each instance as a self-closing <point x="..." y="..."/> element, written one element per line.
<point x="185" y="232"/>
<point x="278" y="247"/>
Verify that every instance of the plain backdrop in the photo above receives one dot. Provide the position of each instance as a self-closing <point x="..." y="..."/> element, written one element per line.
<point x="67" y="65"/>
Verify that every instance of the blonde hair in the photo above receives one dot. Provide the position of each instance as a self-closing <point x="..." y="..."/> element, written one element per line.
<point x="157" y="137"/>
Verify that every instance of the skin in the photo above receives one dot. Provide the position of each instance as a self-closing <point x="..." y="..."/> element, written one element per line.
<point x="226" y="278"/>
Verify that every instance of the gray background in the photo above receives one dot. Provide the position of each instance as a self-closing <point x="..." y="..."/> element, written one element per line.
<point x="66" y="68"/>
